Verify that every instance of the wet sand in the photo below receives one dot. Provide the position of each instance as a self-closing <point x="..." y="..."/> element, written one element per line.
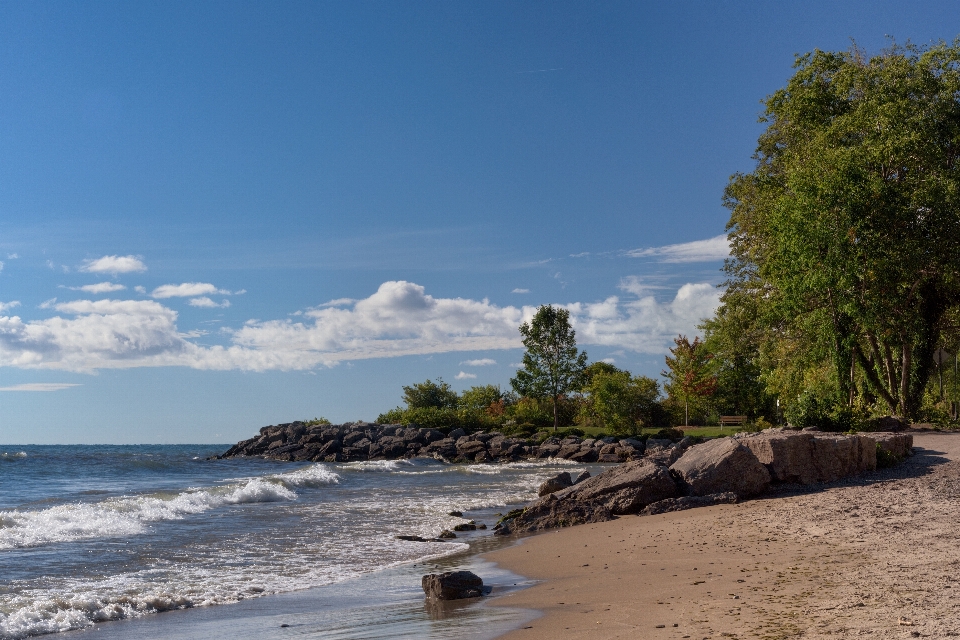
<point x="876" y="556"/>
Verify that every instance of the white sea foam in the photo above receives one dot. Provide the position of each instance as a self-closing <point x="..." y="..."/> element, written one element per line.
<point x="128" y="516"/>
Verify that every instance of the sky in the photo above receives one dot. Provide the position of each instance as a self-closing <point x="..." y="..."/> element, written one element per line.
<point x="217" y="216"/>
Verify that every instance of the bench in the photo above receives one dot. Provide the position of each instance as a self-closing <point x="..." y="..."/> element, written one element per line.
<point x="732" y="421"/>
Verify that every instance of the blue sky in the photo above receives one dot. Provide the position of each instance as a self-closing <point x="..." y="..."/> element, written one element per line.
<point x="216" y="216"/>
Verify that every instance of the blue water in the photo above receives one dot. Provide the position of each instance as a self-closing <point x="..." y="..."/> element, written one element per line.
<point x="90" y="534"/>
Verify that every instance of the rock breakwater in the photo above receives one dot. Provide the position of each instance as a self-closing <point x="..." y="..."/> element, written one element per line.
<point x="358" y="441"/>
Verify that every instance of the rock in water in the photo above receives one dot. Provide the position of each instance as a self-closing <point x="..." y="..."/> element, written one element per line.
<point x="452" y="585"/>
<point x="554" y="484"/>
<point x="719" y="466"/>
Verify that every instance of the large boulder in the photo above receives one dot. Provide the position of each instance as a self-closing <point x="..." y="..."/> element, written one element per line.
<point x="719" y="466"/>
<point x="810" y="457"/>
<point x="624" y="489"/>
<point x="452" y="585"/>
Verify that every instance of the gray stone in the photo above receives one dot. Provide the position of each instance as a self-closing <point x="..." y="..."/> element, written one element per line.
<point x="456" y="433"/>
<point x="719" y="466"/>
<point x="899" y="445"/>
<point x="452" y="585"/>
<point x="688" y="502"/>
<point x="554" y="484"/>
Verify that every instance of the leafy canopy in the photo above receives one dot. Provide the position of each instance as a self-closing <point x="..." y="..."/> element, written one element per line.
<point x="552" y="365"/>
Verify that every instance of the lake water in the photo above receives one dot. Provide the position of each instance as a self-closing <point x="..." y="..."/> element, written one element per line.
<point x="93" y="534"/>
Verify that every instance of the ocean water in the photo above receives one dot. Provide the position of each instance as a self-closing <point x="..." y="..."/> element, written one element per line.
<point x="94" y="534"/>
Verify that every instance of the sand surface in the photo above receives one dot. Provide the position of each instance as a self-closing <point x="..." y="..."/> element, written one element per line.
<point x="876" y="556"/>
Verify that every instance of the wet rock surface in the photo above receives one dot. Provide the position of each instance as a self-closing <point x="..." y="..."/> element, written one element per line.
<point x="452" y="585"/>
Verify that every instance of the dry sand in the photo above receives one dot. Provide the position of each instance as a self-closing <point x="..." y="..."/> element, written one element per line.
<point x="875" y="556"/>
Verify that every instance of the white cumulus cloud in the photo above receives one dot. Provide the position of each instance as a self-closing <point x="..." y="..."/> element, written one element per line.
<point x="463" y="375"/>
<point x="100" y="287"/>
<point x="399" y="319"/>
<point x="114" y="264"/>
<point x="185" y="290"/>
<point x="208" y="303"/>
<point x="716" y="248"/>
<point x="482" y="362"/>
<point x="6" y="306"/>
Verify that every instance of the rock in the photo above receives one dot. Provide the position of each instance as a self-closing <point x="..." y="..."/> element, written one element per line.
<point x="548" y="450"/>
<point x="419" y="539"/>
<point x="810" y="457"/>
<point x="456" y="514"/>
<point x="456" y="433"/>
<point x="892" y="423"/>
<point x="554" y="484"/>
<point x="608" y="457"/>
<point x="353" y="436"/>
<point x="568" y="450"/>
<point x="621" y="490"/>
<point x="471" y="448"/>
<point x="658" y="442"/>
<point x="688" y="502"/>
<point x="583" y="476"/>
<point x="465" y="526"/>
<point x="719" y="466"/>
<point x="899" y="445"/>
<point x="446" y="533"/>
<point x="664" y="455"/>
<point x="452" y="585"/>
<point x="588" y="454"/>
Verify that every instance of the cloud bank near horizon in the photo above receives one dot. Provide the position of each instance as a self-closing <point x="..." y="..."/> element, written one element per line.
<point x="399" y="319"/>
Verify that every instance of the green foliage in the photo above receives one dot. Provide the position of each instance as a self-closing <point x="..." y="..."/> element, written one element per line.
<point x="808" y="410"/>
<point x="838" y="235"/>
<point x="316" y="422"/>
<point x="620" y="402"/>
<point x="482" y="397"/>
<point x="670" y="434"/>
<point x="528" y="411"/>
<point x="690" y="378"/>
<point x="429" y="394"/>
<point x="594" y="369"/>
<point x="885" y="459"/>
<point x="552" y="365"/>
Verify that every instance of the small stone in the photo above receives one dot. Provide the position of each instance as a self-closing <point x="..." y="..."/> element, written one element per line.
<point x="660" y="626"/>
<point x="446" y="533"/>
<point x="456" y="514"/>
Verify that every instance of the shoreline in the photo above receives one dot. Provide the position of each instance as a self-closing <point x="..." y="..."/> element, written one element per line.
<point x="874" y="554"/>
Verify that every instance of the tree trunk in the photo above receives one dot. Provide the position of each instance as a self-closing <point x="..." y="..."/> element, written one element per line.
<point x="556" y="418"/>
<point x="906" y="364"/>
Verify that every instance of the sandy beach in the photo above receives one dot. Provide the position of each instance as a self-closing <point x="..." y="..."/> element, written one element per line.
<point x="875" y="556"/>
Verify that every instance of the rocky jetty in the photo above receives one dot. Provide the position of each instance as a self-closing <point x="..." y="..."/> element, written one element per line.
<point x="718" y="471"/>
<point x="368" y="441"/>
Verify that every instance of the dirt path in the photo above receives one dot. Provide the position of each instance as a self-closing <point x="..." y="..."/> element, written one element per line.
<point x="876" y="556"/>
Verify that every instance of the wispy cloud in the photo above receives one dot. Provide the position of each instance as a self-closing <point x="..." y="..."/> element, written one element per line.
<point x="6" y="306"/>
<point x="12" y="256"/>
<point x="100" y="287"/>
<point x="208" y="303"/>
<point x="716" y="248"/>
<point x="482" y="362"/>
<point x="399" y="319"/>
<point x="185" y="290"/>
<point x="114" y="265"/>
<point x="463" y="375"/>
<point x="40" y="386"/>
<point x="520" y="291"/>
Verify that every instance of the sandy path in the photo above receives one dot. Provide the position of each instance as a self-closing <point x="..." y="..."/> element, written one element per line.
<point x="876" y="556"/>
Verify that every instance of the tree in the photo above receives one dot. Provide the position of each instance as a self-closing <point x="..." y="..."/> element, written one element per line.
<point x="847" y="234"/>
<point x="552" y="365"/>
<point x="620" y="402"/>
<point x="426" y="394"/>
<point x="689" y="373"/>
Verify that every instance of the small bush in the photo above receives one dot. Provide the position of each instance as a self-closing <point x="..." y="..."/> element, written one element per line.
<point x="670" y="434"/>
<point x="885" y="459"/>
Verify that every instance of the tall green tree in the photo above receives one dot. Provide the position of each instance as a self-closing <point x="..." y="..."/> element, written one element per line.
<point x="552" y="364"/>
<point x="689" y="374"/>
<point x="847" y="233"/>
